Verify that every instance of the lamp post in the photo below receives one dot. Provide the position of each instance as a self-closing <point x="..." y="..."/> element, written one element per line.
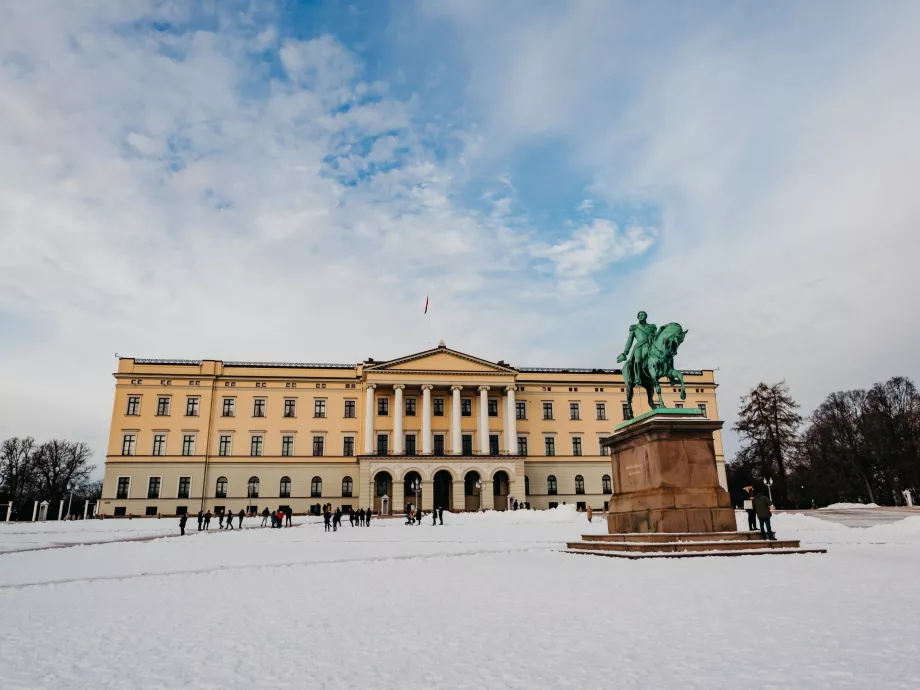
<point x="769" y="483"/>
<point x="416" y="486"/>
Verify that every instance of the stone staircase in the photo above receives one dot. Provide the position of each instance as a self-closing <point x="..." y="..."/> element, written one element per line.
<point x="683" y="545"/>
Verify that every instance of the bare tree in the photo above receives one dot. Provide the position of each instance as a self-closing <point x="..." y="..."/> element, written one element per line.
<point x="768" y="425"/>
<point x="17" y="467"/>
<point x="61" y="466"/>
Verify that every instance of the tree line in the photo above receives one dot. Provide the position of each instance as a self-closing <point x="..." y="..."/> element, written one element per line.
<point x="858" y="446"/>
<point x="49" y="471"/>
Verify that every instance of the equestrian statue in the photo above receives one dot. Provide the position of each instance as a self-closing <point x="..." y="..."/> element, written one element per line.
<point x="651" y="359"/>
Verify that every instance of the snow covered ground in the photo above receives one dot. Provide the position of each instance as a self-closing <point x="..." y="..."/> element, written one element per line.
<point x="486" y="601"/>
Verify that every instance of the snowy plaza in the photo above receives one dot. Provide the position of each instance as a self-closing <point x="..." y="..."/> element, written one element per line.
<point x="487" y="600"/>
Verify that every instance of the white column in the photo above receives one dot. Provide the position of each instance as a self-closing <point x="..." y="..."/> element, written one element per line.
<point x="456" y="443"/>
<point x="61" y="510"/>
<point x="34" y="511"/>
<point x="426" y="419"/>
<point x="85" y="508"/>
<point x="369" y="419"/>
<point x="9" y="510"/>
<point x="398" y="420"/>
<point x="511" y="423"/>
<point x="483" y="420"/>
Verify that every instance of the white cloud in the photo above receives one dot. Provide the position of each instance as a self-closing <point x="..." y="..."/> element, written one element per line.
<point x="591" y="248"/>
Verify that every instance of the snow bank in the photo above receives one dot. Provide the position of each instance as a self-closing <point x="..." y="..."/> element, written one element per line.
<point x="835" y="506"/>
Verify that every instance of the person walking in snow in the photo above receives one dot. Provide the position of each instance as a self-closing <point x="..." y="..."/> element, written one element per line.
<point x="207" y="521"/>
<point x="229" y="524"/>
<point x="200" y="520"/>
<point x="434" y="517"/>
<point x="748" y="504"/>
<point x="182" y="521"/>
<point x="327" y="518"/>
<point x="762" y="508"/>
<point x="265" y="517"/>
<point x="361" y="517"/>
<point x="367" y="518"/>
<point x="241" y="517"/>
<point x="220" y="520"/>
<point x="288" y="514"/>
<point x="590" y="513"/>
<point x="419" y="514"/>
<point x="441" y="515"/>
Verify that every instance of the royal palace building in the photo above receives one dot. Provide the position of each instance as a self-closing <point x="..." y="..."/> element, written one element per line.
<point x="470" y="434"/>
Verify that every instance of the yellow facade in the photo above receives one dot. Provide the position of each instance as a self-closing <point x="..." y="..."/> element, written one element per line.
<point x="213" y="435"/>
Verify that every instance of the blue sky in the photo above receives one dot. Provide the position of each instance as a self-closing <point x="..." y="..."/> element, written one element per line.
<point x="284" y="180"/>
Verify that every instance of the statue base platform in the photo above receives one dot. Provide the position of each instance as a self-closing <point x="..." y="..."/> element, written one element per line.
<point x="665" y="477"/>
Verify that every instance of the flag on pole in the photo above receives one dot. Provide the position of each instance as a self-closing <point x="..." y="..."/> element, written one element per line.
<point x="426" y="304"/>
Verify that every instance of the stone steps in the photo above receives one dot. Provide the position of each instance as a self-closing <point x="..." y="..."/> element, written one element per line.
<point x="683" y="545"/>
<point x="675" y="546"/>
<point x="694" y="554"/>
<point x="673" y="537"/>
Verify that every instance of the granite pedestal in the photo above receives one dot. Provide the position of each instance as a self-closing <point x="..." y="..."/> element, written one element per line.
<point x="665" y="477"/>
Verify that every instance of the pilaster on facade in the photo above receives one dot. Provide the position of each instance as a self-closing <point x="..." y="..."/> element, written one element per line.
<point x="427" y="495"/>
<point x="458" y="496"/>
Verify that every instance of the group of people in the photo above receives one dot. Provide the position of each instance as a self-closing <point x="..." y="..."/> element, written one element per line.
<point x="414" y="515"/>
<point x="333" y="520"/>
<point x="757" y="505"/>
<point x="280" y="518"/>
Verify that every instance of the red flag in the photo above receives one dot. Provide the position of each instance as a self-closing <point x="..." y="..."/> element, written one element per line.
<point x="426" y="304"/>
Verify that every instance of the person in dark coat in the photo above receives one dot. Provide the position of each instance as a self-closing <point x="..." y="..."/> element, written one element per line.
<point x="265" y="518"/>
<point x="327" y="518"/>
<point x="762" y="508"/>
<point x="220" y="520"/>
<point x="229" y="519"/>
<point x="441" y="515"/>
<point x="336" y="520"/>
<point x="182" y="521"/>
<point x="288" y="513"/>
<point x="434" y="517"/>
<point x="240" y="516"/>
<point x="200" y="519"/>
<point x="367" y="518"/>
<point x="207" y="521"/>
<point x="747" y="502"/>
<point x="361" y="517"/>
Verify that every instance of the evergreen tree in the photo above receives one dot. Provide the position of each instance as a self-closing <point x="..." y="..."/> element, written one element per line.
<point x="768" y="425"/>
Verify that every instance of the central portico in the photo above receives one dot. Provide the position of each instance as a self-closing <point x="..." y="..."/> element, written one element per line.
<point x="447" y="420"/>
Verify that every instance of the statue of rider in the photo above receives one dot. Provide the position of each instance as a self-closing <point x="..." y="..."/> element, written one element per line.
<point x="643" y="334"/>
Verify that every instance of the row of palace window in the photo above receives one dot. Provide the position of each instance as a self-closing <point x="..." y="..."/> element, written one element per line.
<point x="259" y="405"/>
<point x="257" y="445"/>
<point x="154" y="486"/>
<point x="252" y="488"/>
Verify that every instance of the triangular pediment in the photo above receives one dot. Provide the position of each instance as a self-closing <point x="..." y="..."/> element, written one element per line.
<point x="440" y="359"/>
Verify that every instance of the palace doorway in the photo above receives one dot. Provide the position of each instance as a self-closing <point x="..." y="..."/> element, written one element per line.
<point x="501" y="487"/>
<point x="472" y="490"/>
<point x="410" y="496"/>
<point x="383" y="487"/>
<point x="443" y="490"/>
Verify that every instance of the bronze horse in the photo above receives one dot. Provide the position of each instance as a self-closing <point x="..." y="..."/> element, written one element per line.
<point x="658" y="364"/>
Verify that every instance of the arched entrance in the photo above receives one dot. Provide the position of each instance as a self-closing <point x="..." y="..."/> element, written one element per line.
<point x="383" y="486"/>
<point x="410" y="498"/>
<point x="501" y="487"/>
<point x="471" y="490"/>
<point x="443" y="490"/>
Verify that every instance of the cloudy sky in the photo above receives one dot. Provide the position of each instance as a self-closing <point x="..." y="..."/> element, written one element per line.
<point x="287" y="181"/>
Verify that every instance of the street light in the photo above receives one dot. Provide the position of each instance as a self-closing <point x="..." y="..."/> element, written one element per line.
<point x="416" y="486"/>
<point x="769" y="483"/>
